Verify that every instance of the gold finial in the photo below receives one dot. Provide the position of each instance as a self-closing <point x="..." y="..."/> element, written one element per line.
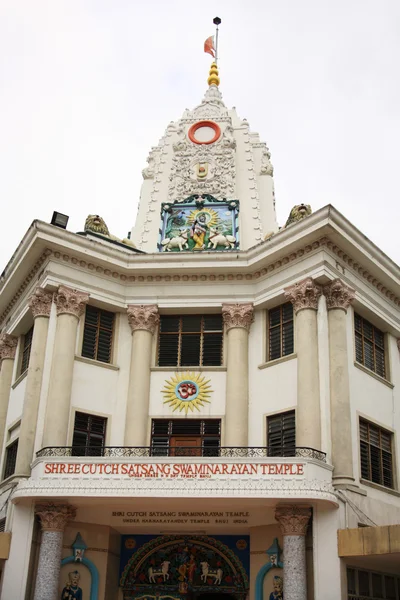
<point x="213" y="78"/>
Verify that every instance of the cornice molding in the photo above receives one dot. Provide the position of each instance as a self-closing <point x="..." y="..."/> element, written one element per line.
<point x="40" y="303"/>
<point x="304" y="294"/>
<point x="238" y="315"/>
<point x="143" y="317"/>
<point x="71" y="302"/>
<point x="338" y="295"/>
<point x="8" y="346"/>
<point x="293" y="520"/>
<point x="54" y="517"/>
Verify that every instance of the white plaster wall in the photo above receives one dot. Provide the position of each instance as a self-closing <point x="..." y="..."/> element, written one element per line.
<point x="16" y="403"/>
<point x="327" y="565"/>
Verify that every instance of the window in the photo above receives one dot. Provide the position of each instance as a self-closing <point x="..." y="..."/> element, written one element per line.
<point x="11" y="459"/>
<point x="98" y="334"/>
<point x="376" y="454"/>
<point x="185" y="437"/>
<point x="280" y="331"/>
<point x="190" y="340"/>
<point x="2" y="525"/>
<point x="26" y="350"/>
<point x="370" y="349"/>
<point x="89" y="435"/>
<point x="363" y="585"/>
<point x="281" y="434"/>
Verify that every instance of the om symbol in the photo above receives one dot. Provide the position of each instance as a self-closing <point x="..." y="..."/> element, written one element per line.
<point x="187" y="390"/>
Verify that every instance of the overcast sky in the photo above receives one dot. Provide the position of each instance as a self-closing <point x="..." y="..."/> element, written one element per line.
<point x="88" y="86"/>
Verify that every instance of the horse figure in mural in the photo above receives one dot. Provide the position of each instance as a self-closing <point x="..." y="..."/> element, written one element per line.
<point x="161" y="570"/>
<point x="213" y="573"/>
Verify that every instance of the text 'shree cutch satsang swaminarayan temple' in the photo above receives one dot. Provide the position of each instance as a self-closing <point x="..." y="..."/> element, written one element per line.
<point x="207" y="409"/>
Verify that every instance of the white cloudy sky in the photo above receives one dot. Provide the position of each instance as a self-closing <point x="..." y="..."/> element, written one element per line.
<point x="88" y="86"/>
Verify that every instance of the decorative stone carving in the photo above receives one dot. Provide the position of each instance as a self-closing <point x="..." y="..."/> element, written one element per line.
<point x="266" y="165"/>
<point x="293" y="519"/>
<point x="71" y="302"/>
<point x="40" y="303"/>
<point x="237" y="315"/>
<point x="96" y="224"/>
<point x="148" y="172"/>
<point x="8" y="346"/>
<point x="143" y="316"/>
<point x="298" y="212"/>
<point x="304" y="294"/>
<point x="54" y="517"/>
<point x="338" y="295"/>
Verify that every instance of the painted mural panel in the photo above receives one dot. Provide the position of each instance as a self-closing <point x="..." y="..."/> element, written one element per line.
<point x="199" y="223"/>
<point x="180" y="566"/>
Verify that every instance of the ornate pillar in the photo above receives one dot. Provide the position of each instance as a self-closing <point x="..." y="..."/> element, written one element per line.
<point x="143" y="320"/>
<point x="70" y="306"/>
<point x="8" y="346"/>
<point x="338" y="299"/>
<point x="293" y="521"/>
<point x="304" y="296"/>
<point x="40" y="305"/>
<point x="53" y="519"/>
<point x="237" y="319"/>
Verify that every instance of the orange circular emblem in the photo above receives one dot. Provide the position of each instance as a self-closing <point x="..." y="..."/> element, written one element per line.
<point x="204" y="132"/>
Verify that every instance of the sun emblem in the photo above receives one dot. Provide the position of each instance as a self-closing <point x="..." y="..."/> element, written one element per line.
<point x="186" y="391"/>
<point x="208" y="216"/>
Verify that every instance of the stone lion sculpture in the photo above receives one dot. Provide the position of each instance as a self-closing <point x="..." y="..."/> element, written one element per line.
<point x="298" y="212"/>
<point x="95" y="224"/>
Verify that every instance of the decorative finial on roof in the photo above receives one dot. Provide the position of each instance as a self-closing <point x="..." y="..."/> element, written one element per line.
<point x="213" y="78"/>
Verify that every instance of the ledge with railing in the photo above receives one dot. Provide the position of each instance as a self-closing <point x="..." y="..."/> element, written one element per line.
<point x="181" y="452"/>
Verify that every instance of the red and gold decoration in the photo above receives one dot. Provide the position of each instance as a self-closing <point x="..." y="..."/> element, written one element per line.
<point x="187" y="391"/>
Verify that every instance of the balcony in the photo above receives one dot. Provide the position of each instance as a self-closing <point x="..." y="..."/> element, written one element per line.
<point x="179" y="451"/>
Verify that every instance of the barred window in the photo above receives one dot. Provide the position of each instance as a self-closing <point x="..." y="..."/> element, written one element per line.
<point x="190" y="340"/>
<point x="98" y="334"/>
<point x="281" y="434"/>
<point x="26" y="350"/>
<point x="89" y="435"/>
<point x="11" y="459"/>
<point x="370" y="346"/>
<point x="376" y="454"/>
<point x="365" y="585"/>
<point x="185" y="437"/>
<point x="280" y="331"/>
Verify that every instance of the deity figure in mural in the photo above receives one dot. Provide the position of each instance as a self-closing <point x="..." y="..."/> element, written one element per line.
<point x="72" y="591"/>
<point x="277" y="593"/>
<point x="198" y="231"/>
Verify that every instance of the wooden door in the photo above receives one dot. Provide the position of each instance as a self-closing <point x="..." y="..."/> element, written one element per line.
<point x="185" y="445"/>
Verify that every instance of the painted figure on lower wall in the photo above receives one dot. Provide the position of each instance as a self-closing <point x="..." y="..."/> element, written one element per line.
<point x="72" y="591"/>
<point x="277" y="593"/>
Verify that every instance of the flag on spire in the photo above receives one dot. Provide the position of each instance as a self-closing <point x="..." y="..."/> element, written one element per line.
<point x="209" y="46"/>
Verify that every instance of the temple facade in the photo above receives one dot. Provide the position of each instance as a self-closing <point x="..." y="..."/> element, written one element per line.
<point x="209" y="407"/>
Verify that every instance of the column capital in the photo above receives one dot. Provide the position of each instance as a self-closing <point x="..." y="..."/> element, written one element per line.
<point x="70" y="302"/>
<point x="293" y="519"/>
<point x="8" y="346"/>
<point x="54" y="517"/>
<point x="238" y="315"/>
<point x="338" y="295"/>
<point x="143" y="316"/>
<point x="40" y="303"/>
<point x="304" y="294"/>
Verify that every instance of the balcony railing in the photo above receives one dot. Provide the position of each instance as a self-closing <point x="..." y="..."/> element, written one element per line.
<point x="160" y="452"/>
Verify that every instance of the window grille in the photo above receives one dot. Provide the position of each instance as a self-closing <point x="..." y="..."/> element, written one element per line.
<point x="190" y="340"/>
<point x="2" y="525"/>
<point x="11" y="459"/>
<point x="280" y="331"/>
<point x="370" y="585"/>
<point x="376" y="454"/>
<point x="26" y="351"/>
<point x="98" y="334"/>
<point x="89" y="435"/>
<point x="370" y="346"/>
<point x="281" y="434"/>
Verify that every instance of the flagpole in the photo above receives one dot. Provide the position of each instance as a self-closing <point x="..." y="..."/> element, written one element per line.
<point x="216" y="21"/>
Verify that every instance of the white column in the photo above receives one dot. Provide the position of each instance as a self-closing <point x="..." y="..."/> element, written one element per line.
<point x="304" y="296"/>
<point x="338" y="298"/>
<point x="293" y="521"/>
<point x="16" y="568"/>
<point x="70" y="306"/>
<point x="8" y="345"/>
<point x="40" y="305"/>
<point x="143" y="320"/>
<point x="53" y="519"/>
<point x="237" y="319"/>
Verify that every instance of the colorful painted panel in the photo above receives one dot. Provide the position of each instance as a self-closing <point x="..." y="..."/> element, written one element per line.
<point x="199" y="223"/>
<point x="179" y="565"/>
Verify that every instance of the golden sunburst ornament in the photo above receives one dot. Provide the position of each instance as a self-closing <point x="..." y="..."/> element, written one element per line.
<point x="206" y="216"/>
<point x="186" y="391"/>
